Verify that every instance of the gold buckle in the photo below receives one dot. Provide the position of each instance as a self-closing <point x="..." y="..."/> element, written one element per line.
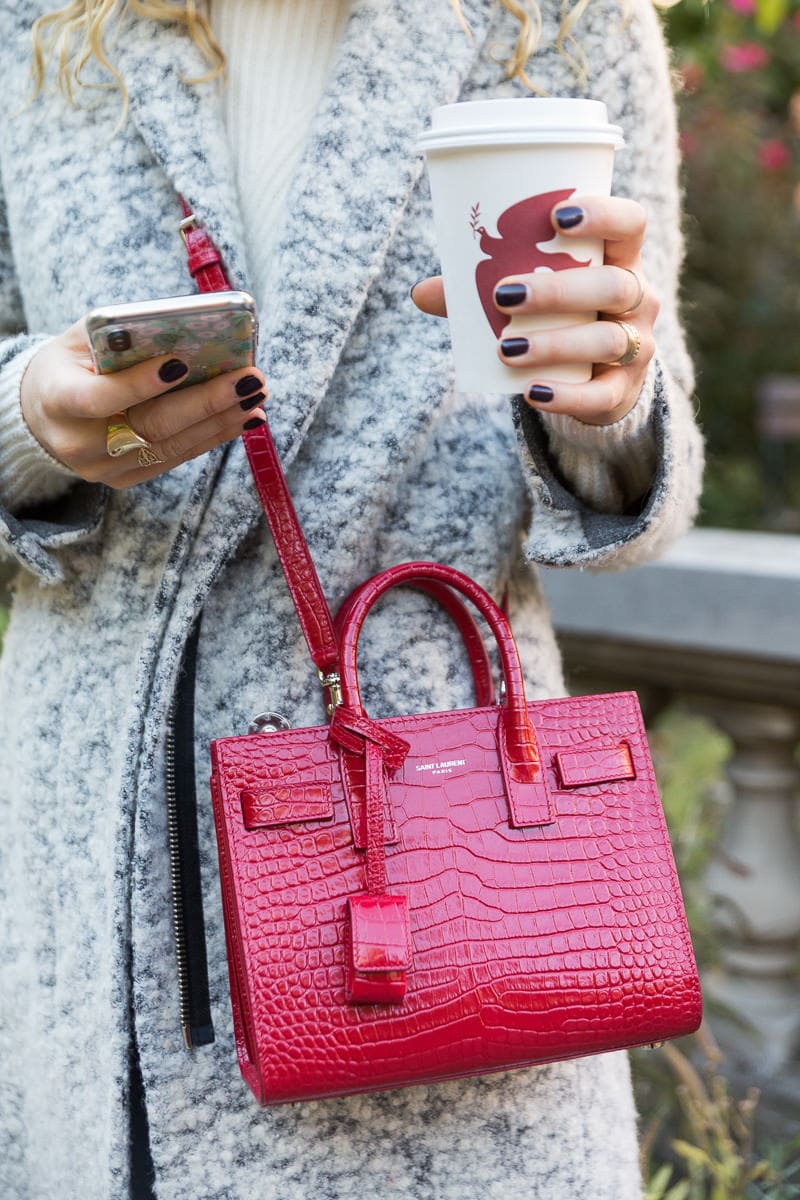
<point x="333" y="682"/>
<point x="187" y="223"/>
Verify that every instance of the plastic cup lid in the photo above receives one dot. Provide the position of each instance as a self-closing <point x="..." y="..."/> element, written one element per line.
<point x="534" y="119"/>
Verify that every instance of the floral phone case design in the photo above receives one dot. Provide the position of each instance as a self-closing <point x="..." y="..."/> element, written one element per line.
<point x="212" y="333"/>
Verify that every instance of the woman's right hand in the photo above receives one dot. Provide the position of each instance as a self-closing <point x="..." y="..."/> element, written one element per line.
<point x="67" y="406"/>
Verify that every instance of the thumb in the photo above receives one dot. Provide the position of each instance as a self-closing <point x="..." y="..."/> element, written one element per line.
<point x="428" y="295"/>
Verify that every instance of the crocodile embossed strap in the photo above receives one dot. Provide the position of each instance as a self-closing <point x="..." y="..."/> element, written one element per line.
<point x="206" y="267"/>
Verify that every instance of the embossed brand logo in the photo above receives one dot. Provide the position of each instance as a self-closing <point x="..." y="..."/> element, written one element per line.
<point x="442" y="768"/>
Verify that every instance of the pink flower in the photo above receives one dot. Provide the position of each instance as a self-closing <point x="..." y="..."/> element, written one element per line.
<point x="687" y="143"/>
<point x="747" y="56"/>
<point x="745" y="7"/>
<point x="796" y="20"/>
<point x="774" y="155"/>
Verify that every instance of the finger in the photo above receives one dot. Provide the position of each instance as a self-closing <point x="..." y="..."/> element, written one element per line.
<point x="84" y="394"/>
<point x="603" y="400"/>
<point x="161" y="418"/>
<point x="595" y="342"/>
<point x="196" y="440"/>
<point x="618" y="221"/>
<point x="221" y="427"/>
<point x="605" y="289"/>
<point x="428" y="295"/>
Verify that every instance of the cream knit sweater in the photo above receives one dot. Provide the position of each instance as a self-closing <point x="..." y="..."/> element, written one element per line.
<point x="279" y="55"/>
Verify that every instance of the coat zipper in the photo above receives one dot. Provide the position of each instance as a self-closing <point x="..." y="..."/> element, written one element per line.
<point x="184" y="858"/>
<point x="178" y="923"/>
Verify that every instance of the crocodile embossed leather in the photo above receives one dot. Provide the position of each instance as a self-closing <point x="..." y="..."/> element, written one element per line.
<point x="445" y="894"/>
<point x="515" y="900"/>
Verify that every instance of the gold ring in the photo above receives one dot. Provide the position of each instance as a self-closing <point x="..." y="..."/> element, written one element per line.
<point x="120" y="438"/>
<point x="639" y="298"/>
<point x="632" y="349"/>
<point x="148" y="457"/>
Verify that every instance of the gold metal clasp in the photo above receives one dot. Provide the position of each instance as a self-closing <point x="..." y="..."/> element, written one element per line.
<point x="186" y="224"/>
<point x="333" y="682"/>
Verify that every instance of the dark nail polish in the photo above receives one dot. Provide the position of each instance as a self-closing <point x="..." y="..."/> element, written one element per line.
<point x="172" y="370"/>
<point x="252" y="401"/>
<point x="510" y="294"/>
<point x="253" y="423"/>
<point x="540" y="393"/>
<point x="247" y="385"/>
<point x="569" y="216"/>
<point x="512" y="347"/>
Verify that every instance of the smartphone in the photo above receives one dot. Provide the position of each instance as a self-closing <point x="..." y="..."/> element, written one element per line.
<point x="212" y="333"/>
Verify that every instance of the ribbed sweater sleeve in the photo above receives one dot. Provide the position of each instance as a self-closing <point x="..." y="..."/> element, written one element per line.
<point x="609" y="466"/>
<point x="28" y="473"/>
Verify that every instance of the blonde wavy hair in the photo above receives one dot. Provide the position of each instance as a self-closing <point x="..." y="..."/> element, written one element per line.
<point x="76" y="33"/>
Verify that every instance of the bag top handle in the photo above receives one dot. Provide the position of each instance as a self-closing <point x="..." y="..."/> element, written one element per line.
<point x="518" y="746"/>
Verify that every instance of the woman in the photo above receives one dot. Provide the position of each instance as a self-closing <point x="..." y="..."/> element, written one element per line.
<point x="385" y="463"/>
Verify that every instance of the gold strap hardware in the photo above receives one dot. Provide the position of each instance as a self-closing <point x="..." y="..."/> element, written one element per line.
<point x="332" y="681"/>
<point x="190" y="222"/>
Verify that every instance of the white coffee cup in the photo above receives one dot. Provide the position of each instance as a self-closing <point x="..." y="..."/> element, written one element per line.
<point x="497" y="168"/>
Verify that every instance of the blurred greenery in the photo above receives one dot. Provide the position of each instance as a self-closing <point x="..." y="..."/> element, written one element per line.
<point x="738" y="71"/>
<point x="689" y="754"/>
<point x="698" y="1140"/>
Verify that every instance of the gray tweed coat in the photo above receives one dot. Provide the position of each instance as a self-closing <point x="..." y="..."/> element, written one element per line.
<point x="386" y="463"/>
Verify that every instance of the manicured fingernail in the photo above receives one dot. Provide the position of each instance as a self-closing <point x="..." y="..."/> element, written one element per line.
<point x="414" y="286"/>
<point x="252" y="401"/>
<point x="510" y="294"/>
<point x="569" y="216"/>
<point x="512" y="347"/>
<point x="172" y="370"/>
<point x="247" y="385"/>
<point x="541" y="393"/>
<point x="254" y="423"/>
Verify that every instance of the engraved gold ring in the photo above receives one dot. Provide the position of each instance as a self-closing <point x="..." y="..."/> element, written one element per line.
<point x="632" y="349"/>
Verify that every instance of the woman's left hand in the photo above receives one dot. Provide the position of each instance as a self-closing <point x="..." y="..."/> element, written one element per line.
<point x="608" y="290"/>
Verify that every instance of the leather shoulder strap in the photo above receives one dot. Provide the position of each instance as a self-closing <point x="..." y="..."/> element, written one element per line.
<point x="206" y="267"/>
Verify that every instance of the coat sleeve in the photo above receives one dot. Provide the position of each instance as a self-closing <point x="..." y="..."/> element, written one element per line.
<point x="613" y="496"/>
<point x="43" y="505"/>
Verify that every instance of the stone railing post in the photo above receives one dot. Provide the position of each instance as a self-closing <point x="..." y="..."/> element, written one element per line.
<point x="753" y="880"/>
<point x="715" y="622"/>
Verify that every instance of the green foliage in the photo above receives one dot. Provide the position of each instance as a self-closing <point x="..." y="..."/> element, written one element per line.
<point x="713" y="1156"/>
<point x="689" y="754"/>
<point x="738" y="64"/>
<point x="698" y="1140"/>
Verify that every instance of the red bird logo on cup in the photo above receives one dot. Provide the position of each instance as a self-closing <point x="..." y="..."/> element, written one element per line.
<point x="516" y="251"/>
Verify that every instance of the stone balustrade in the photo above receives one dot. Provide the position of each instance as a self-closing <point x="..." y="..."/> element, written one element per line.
<point x="716" y="624"/>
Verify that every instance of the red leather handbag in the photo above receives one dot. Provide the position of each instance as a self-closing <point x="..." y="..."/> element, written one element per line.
<point x="444" y="894"/>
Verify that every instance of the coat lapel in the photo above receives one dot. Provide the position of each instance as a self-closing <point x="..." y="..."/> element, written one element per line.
<point x="396" y="62"/>
<point x="183" y="127"/>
